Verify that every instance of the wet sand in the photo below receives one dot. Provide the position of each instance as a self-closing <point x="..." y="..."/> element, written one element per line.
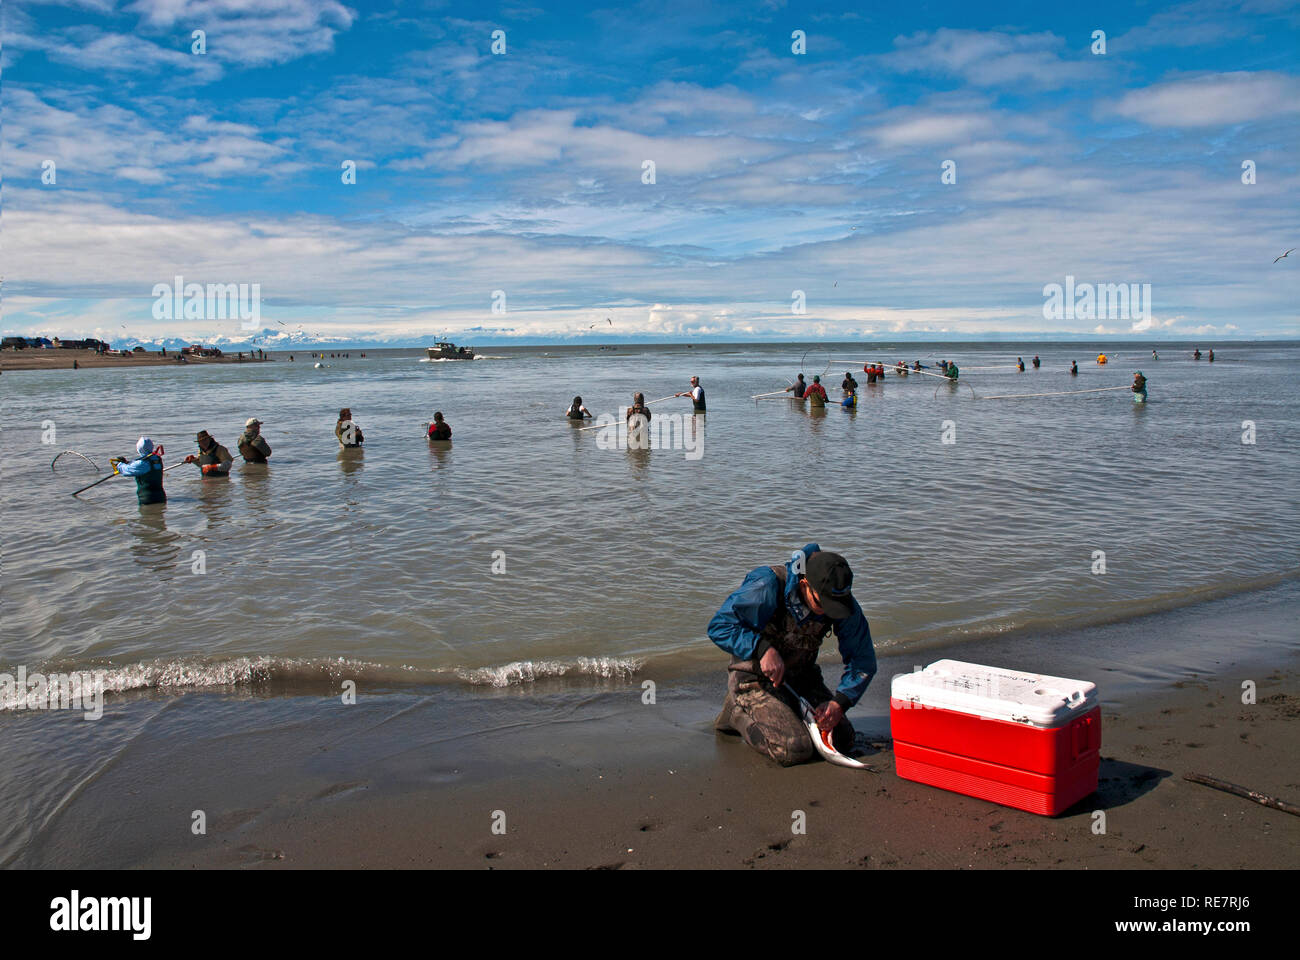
<point x="594" y="778"/>
<point x="715" y="804"/>
<point x="63" y="359"/>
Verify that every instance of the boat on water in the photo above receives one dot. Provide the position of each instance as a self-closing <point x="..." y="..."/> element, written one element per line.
<point x="446" y="350"/>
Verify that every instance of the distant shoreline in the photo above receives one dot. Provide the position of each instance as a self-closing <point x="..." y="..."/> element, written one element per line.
<point x="53" y="359"/>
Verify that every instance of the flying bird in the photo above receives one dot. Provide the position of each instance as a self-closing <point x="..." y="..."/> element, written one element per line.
<point x="1283" y="255"/>
<point x="607" y="320"/>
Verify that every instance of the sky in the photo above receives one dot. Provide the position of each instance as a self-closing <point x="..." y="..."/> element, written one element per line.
<point x="667" y="171"/>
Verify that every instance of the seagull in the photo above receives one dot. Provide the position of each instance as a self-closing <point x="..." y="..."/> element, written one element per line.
<point x="607" y="320"/>
<point x="1283" y="255"/>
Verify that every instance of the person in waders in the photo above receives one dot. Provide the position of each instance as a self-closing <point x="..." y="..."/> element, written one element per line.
<point x="213" y="459"/>
<point x="1074" y="368"/>
<point x="696" y="393"/>
<point x="440" y="429"/>
<point x="577" y="411"/>
<point x="252" y="445"/>
<point x="798" y="388"/>
<point x="638" y="423"/>
<point x="816" y="394"/>
<point x="1140" y="385"/>
<point x="773" y="626"/>
<point x="638" y="409"/>
<point x="347" y="433"/>
<point x="147" y="468"/>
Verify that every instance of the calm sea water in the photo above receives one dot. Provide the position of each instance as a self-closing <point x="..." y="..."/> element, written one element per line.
<point x="529" y="548"/>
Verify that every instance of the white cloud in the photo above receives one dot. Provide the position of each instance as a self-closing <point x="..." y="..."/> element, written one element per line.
<point x="86" y="137"/>
<point x="549" y="137"/>
<point x="1212" y="100"/>
<point x="934" y="129"/>
<point x="253" y="32"/>
<point x="988" y="58"/>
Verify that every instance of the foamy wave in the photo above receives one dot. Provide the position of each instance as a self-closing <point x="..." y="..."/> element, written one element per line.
<point x="529" y="671"/>
<point x="199" y="674"/>
<point x="316" y="673"/>
<point x="236" y="672"/>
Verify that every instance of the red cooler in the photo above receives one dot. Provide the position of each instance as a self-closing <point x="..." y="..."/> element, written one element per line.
<point x="1019" y="739"/>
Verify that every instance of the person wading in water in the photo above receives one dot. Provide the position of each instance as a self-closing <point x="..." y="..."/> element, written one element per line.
<point x="696" y="393"/>
<point x="773" y="626"/>
<point x="577" y="411"/>
<point x="252" y="445"/>
<point x="816" y="394"/>
<point x="440" y="429"/>
<point x="347" y="432"/>
<point x="147" y="468"/>
<point x="213" y="459"/>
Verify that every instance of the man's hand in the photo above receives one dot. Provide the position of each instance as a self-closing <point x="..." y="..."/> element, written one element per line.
<point x="828" y="715"/>
<point x="191" y="458"/>
<point x="773" y="666"/>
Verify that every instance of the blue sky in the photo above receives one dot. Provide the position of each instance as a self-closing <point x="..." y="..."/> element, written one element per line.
<point x="775" y="172"/>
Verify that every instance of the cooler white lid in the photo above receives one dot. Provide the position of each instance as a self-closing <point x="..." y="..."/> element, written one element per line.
<point x="1031" y="698"/>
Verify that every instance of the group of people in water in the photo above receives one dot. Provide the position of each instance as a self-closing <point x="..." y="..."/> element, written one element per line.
<point x="640" y="408"/>
<point x="215" y="460"/>
<point x="212" y="459"/>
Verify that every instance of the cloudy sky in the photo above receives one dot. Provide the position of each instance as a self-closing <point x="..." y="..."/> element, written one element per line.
<point x="774" y="171"/>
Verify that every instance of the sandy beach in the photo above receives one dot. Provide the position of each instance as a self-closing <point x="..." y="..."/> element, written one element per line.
<point x="716" y="805"/>
<point x="34" y="359"/>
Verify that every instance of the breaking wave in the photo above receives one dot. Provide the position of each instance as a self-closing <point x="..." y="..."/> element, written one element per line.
<point x="292" y="675"/>
<point x="529" y="671"/>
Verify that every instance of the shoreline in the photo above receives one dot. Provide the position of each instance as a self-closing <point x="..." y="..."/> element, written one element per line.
<point x="595" y="778"/>
<point x="50" y="359"/>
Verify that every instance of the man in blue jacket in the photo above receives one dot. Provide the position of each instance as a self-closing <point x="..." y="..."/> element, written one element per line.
<point x="773" y="627"/>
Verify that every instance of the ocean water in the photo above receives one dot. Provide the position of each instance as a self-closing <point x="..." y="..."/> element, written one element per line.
<point x="499" y="601"/>
<point x="529" y="548"/>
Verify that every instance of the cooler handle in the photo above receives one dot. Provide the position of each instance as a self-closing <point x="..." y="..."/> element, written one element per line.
<point x="1082" y="737"/>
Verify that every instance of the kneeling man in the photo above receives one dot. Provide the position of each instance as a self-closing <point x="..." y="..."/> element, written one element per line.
<point x="773" y="627"/>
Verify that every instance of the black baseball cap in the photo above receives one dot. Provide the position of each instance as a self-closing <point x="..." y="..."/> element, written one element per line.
<point x="829" y="574"/>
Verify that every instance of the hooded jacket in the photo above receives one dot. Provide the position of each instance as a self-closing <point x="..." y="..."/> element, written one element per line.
<point x="147" y="468"/>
